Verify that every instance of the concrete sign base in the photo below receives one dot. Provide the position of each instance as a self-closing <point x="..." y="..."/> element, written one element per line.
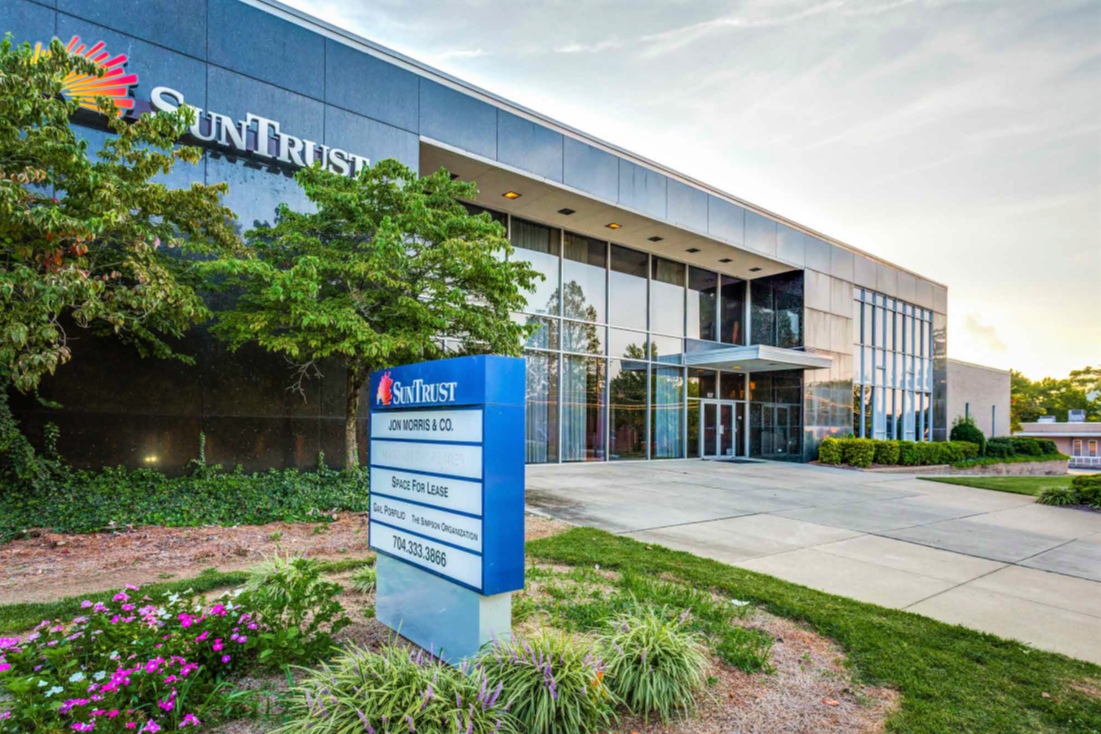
<point x="451" y="621"/>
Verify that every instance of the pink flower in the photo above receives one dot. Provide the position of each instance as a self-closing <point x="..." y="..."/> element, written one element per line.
<point x="150" y="727"/>
<point x="225" y="658"/>
<point x="217" y="646"/>
<point x="121" y="596"/>
<point x="85" y="604"/>
<point x="5" y="667"/>
<point x="189" y="720"/>
<point x="131" y="587"/>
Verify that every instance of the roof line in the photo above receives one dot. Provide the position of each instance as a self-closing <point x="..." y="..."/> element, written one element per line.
<point x="425" y="70"/>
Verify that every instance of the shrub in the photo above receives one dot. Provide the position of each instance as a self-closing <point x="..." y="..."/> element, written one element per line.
<point x="1058" y="496"/>
<point x="299" y="608"/>
<point x="887" y="452"/>
<point x="964" y="429"/>
<point x="1088" y="487"/>
<point x="1027" y="447"/>
<point x="364" y="580"/>
<point x="395" y="690"/>
<point x="858" y="451"/>
<point x="829" y="451"/>
<point x="999" y="448"/>
<point x="1047" y="446"/>
<point x="553" y="684"/>
<point x="908" y="453"/>
<point x="964" y="449"/>
<point x="156" y="660"/>
<point x="653" y="665"/>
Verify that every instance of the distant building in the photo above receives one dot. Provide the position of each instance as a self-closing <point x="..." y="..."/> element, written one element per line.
<point x="1076" y="438"/>
<point x="981" y="393"/>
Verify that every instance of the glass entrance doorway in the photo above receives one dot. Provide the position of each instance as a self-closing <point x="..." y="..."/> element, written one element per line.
<point x="721" y="423"/>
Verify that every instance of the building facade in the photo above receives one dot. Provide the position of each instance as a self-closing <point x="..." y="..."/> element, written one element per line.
<point x="980" y="393"/>
<point x="676" y="320"/>
<point x="1079" y="440"/>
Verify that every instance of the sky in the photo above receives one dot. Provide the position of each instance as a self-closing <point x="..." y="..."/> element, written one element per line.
<point x="959" y="139"/>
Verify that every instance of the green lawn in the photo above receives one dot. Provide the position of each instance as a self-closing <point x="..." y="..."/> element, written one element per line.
<point x="1016" y="485"/>
<point x="952" y="679"/>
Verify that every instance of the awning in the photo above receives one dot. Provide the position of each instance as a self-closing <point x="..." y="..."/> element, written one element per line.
<point x="757" y="358"/>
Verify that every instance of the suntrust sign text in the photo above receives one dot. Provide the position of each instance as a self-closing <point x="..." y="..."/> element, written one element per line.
<point x="260" y="136"/>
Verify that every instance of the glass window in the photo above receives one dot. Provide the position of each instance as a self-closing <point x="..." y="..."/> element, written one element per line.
<point x="541" y="414"/>
<point x="667" y="296"/>
<point x="627" y="398"/>
<point x="544" y="337"/>
<point x="584" y="419"/>
<point x="627" y="302"/>
<point x="858" y="321"/>
<point x="693" y="425"/>
<point x="702" y="383"/>
<point x="539" y="246"/>
<point x="733" y="386"/>
<point x="584" y="266"/>
<point x="858" y="397"/>
<point x="623" y="343"/>
<point x="667" y="412"/>
<point x="667" y="349"/>
<point x="583" y="337"/>
<point x="703" y="299"/>
<point x="777" y="310"/>
<point x="732" y="310"/>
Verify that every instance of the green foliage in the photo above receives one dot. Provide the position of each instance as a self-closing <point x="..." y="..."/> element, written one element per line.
<point x="155" y="657"/>
<point x="1047" y="446"/>
<point x="1084" y="489"/>
<point x="1027" y="447"/>
<point x="388" y="265"/>
<point x="297" y="606"/>
<point x="1015" y="459"/>
<point x="93" y="243"/>
<point x="85" y="501"/>
<point x="553" y="684"/>
<point x="653" y="664"/>
<point x="950" y="678"/>
<point x="1030" y="485"/>
<point x="858" y="451"/>
<point x="1050" y="396"/>
<point x="887" y="452"/>
<point x="1058" y="496"/>
<point x="364" y="580"/>
<point x="395" y="690"/>
<point x="908" y="453"/>
<point x="1000" y="447"/>
<point x="965" y="429"/>
<point x="829" y="451"/>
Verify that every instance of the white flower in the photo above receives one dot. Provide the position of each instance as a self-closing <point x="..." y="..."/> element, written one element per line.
<point x="100" y="675"/>
<point x="52" y="691"/>
<point x="42" y="684"/>
<point x="173" y="598"/>
<point x="76" y="677"/>
<point x="739" y="602"/>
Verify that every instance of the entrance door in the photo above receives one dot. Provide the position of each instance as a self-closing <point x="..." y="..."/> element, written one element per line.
<point x="719" y="428"/>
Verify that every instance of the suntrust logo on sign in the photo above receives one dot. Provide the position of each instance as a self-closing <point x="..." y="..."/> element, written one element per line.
<point x="259" y="135"/>
<point x="417" y="393"/>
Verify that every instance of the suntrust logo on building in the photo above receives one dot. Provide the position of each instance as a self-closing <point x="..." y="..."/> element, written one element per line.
<point x="259" y="135"/>
<point x="418" y="393"/>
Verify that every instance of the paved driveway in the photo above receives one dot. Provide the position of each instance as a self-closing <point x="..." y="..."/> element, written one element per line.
<point x="992" y="561"/>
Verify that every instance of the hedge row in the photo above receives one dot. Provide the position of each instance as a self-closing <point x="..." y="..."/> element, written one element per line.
<point x="863" y="452"/>
<point x="1083" y="490"/>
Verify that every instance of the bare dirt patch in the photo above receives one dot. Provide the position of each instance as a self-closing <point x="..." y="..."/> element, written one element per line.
<point x="55" y="565"/>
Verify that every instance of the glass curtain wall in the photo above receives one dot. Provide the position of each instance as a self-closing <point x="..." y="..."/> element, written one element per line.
<point x="606" y="374"/>
<point x="892" y="368"/>
<point x="776" y="308"/>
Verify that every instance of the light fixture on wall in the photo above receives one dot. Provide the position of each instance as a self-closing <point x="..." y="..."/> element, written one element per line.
<point x="614" y="225"/>
<point x="566" y="211"/>
<point x="511" y="195"/>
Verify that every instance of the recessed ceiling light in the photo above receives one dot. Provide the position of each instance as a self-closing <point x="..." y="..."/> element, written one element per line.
<point x="693" y="249"/>
<point x="511" y="195"/>
<point x="614" y="225"/>
<point x="726" y="260"/>
<point x="655" y="238"/>
<point x="735" y="366"/>
<point x="454" y="176"/>
<point x="754" y="270"/>
<point x="566" y="211"/>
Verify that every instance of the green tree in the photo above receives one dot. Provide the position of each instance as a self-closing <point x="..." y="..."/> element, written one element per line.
<point x="388" y="267"/>
<point x="1051" y="396"/>
<point x="93" y="243"/>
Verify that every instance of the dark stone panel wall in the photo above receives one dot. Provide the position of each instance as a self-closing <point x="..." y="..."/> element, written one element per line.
<point x="178" y="24"/>
<point x="27" y="21"/>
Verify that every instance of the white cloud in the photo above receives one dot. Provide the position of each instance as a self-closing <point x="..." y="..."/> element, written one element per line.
<point x="985" y="336"/>
<point x="590" y="48"/>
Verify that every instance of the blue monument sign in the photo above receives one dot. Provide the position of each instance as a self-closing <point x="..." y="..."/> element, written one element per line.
<point x="447" y="499"/>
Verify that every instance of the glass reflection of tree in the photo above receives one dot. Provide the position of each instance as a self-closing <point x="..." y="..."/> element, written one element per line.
<point x="628" y="396"/>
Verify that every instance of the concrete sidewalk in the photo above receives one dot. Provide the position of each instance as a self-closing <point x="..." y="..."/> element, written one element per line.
<point x="992" y="561"/>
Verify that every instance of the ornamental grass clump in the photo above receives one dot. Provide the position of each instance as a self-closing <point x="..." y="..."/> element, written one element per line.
<point x="364" y="580"/>
<point x="552" y="683"/>
<point x="396" y="691"/>
<point x="653" y="664"/>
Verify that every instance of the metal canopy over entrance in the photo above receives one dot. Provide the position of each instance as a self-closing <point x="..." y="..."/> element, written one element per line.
<point x="757" y="358"/>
